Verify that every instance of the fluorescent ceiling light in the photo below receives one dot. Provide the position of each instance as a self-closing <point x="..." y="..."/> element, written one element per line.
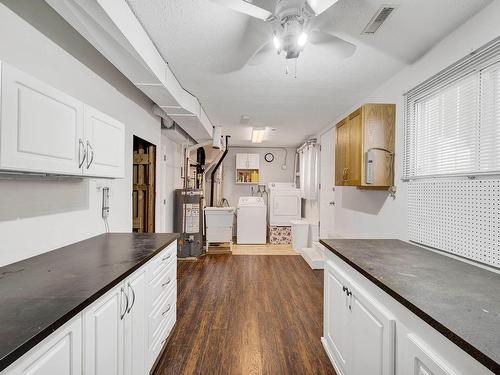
<point x="302" y="40"/>
<point x="258" y="135"/>
<point x="276" y="42"/>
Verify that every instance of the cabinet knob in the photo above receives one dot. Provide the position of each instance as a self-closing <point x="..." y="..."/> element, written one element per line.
<point x="166" y="283"/>
<point x="167" y="310"/>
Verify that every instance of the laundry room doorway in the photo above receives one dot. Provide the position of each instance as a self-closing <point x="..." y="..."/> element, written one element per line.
<point x="143" y="186"/>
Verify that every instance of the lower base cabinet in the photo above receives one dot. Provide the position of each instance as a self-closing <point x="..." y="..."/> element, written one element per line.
<point x="60" y="353"/>
<point x="110" y="337"/>
<point x="367" y="332"/>
<point x="359" y="334"/>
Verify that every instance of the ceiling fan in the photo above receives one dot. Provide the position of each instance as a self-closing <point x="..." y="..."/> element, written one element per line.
<point x="294" y="24"/>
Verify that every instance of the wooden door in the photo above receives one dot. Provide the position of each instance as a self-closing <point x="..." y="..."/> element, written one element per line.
<point x="336" y="318"/>
<point x="103" y="335"/>
<point x="136" y="325"/>
<point x="60" y="353"/>
<point x="341" y="152"/>
<point x="327" y="191"/>
<point x="144" y="187"/>
<point x="41" y="127"/>
<point x="373" y="337"/>
<point x="105" y="145"/>
<point x="354" y="149"/>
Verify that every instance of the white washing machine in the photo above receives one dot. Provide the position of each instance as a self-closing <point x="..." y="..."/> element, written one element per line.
<point x="285" y="204"/>
<point x="251" y="221"/>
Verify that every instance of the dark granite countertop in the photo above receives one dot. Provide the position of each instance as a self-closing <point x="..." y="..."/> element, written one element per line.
<point x="40" y="294"/>
<point x="458" y="299"/>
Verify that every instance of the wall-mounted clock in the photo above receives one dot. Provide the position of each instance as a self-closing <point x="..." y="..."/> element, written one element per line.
<point x="269" y="157"/>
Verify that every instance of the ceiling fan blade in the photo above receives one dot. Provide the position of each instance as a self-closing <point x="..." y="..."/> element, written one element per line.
<point x="341" y="46"/>
<point x="319" y="6"/>
<point x="246" y="8"/>
<point x="255" y="37"/>
<point x="260" y="56"/>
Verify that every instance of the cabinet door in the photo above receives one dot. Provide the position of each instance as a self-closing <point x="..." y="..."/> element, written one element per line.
<point x="336" y="318"/>
<point x="354" y="157"/>
<point x="105" y="145"/>
<point x="373" y="336"/>
<point x="135" y="325"/>
<point x="41" y="127"/>
<point x="103" y="338"/>
<point x="241" y="161"/>
<point x="253" y="161"/>
<point x="341" y="147"/>
<point x="420" y="359"/>
<point x="60" y="353"/>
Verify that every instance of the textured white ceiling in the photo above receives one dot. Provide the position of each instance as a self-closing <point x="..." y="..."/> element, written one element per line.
<point x="197" y="37"/>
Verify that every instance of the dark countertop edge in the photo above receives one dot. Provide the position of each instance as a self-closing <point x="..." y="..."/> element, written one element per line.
<point x="21" y="350"/>
<point x="449" y="334"/>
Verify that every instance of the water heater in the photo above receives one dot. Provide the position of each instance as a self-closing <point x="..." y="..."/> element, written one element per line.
<point x="188" y="222"/>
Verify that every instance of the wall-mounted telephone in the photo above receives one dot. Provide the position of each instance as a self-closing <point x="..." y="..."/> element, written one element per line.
<point x="105" y="202"/>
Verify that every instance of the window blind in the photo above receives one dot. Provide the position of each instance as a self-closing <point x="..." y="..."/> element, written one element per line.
<point x="453" y="119"/>
<point x="452" y="158"/>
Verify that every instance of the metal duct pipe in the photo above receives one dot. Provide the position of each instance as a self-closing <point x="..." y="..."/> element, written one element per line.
<point x="212" y="182"/>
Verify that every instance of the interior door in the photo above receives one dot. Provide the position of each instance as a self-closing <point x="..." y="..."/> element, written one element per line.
<point x="135" y="325"/>
<point x="327" y="192"/>
<point x="336" y="318"/>
<point x="103" y="338"/>
<point x="105" y="145"/>
<point x="41" y="127"/>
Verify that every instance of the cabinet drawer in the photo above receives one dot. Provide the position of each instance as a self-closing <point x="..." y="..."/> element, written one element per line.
<point x="162" y="285"/>
<point x="164" y="311"/>
<point x="162" y="260"/>
<point x="164" y="331"/>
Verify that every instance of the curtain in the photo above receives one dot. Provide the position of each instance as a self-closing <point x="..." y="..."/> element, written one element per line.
<point x="309" y="171"/>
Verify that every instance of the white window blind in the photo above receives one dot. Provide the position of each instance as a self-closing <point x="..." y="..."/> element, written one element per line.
<point x="453" y="119"/>
<point x="452" y="158"/>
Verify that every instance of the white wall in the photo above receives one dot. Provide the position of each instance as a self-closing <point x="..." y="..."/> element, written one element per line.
<point x="365" y="214"/>
<point x="37" y="216"/>
<point x="269" y="172"/>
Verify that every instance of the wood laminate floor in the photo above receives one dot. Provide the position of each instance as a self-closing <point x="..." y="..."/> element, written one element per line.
<point x="247" y="315"/>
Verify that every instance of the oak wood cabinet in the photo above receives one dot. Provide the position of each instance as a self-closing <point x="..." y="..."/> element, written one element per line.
<point x="364" y="149"/>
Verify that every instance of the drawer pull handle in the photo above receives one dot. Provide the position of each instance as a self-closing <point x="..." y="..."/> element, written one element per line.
<point x="167" y="257"/>
<point x="166" y="283"/>
<point x="167" y="310"/>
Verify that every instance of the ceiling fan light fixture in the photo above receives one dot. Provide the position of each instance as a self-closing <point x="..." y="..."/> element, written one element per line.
<point x="302" y="39"/>
<point x="276" y="43"/>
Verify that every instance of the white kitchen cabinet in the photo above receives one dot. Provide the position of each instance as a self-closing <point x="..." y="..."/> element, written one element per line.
<point x="336" y="319"/>
<point x="135" y="328"/>
<point x="421" y="359"/>
<point x="60" y="353"/>
<point x="103" y="334"/>
<point x="359" y="335"/>
<point x="41" y="128"/>
<point x="247" y="161"/>
<point x="104" y="145"/>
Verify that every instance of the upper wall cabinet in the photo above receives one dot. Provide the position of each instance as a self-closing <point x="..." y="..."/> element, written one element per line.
<point x="104" y="145"/>
<point x="364" y="153"/>
<point x="43" y="130"/>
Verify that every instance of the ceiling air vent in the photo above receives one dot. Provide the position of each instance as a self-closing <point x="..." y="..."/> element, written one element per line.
<point x="378" y="19"/>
